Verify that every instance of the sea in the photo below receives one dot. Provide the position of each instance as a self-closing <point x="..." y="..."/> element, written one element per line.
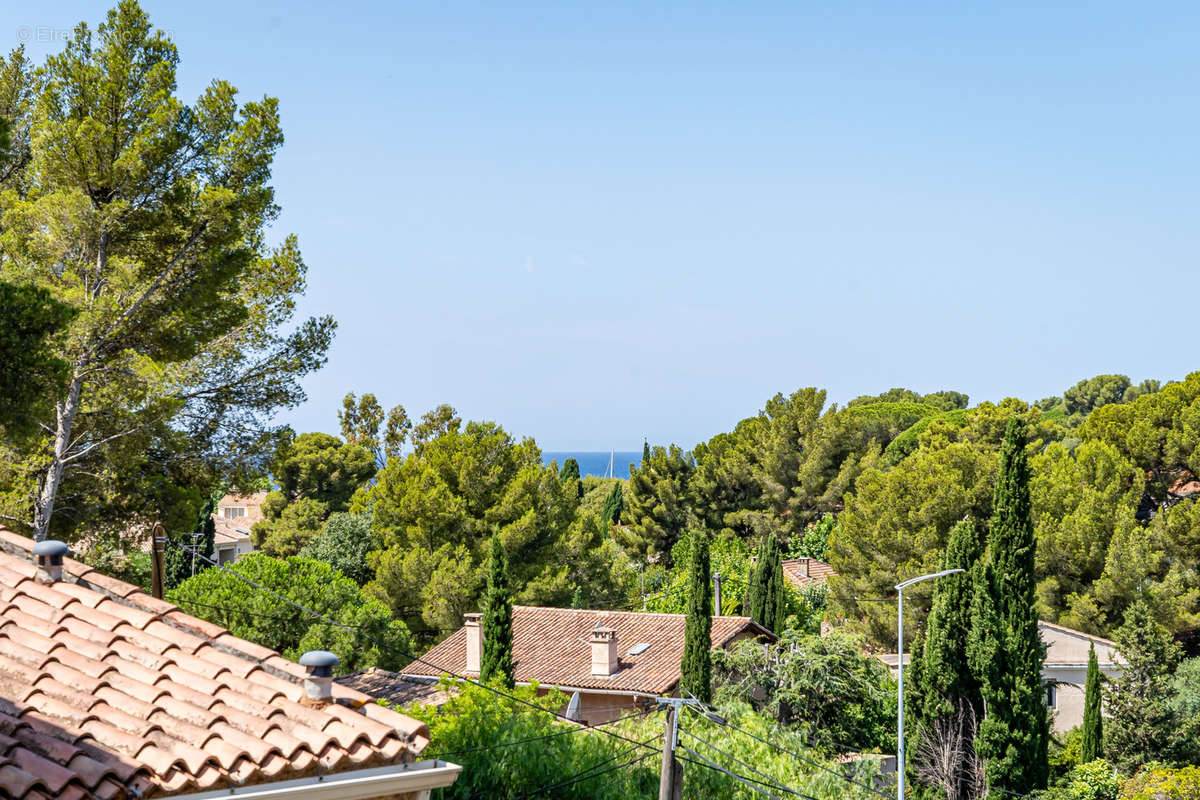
<point x="596" y="463"/>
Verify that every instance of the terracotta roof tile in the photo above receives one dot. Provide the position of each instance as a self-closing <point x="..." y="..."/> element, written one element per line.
<point x="106" y="692"/>
<point x="550" y="646"/>
<point x="803" y="571"/>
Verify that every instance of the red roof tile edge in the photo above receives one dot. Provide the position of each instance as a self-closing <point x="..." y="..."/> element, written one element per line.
<point x="96" y="671"/>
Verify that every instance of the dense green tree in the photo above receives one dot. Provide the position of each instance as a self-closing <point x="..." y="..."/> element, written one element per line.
<point x="765" y="592"/>
<point x="814" y="542"/>
<point x="317" y="474"/>
<point x="1091" y="745"/>
<point x="1081" y="499"/>
<point x="824" y="685"/>
<point x="496" y="663"/>
<point x="660" y="506"/>
<point x="946" y="698"/>
<point x="1005" y="649"/>
<point x="569" y="475"/>
<point x="254" y="614"/>
<point x="150" y="216"/>
<point x="1142" y="727"/>
<point x="895" y="527"/>
<point x="1089" y="394"/>
<point x="896" y="520"/>
<point x="696" y="666"/>
<point x="344" y="543"/>
<point x="364" y="423"/>
<point x="435" y="424"/>
<point x="613" y="505"/>
<point x="435" y="508"/>
<point x="728" y="555"/>
<point x="539" y="750"/>
<point x="843" y="445"/>
<point x="29" y="360"/>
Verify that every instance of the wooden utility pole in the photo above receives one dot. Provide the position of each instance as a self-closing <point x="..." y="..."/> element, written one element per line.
<point x="670" y="780"/>
<point x="156" y="560"/>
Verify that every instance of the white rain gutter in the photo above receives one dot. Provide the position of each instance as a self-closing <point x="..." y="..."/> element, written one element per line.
<point x="361" y="784"/>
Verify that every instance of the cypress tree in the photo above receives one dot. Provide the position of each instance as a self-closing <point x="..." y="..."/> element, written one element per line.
<point x="696" y="667"/>
<point x="1005" y="650"/>
<point x="764" y="598"/>
<point x="1091" y="745"/>
<point x="613" y="505"/>
<point x="945" y="685"/>
<point x="645" y="453"/>
<point x="496" y="662"/>
<point x="569" y="476"/>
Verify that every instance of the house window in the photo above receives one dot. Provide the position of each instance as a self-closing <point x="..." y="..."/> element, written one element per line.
<point x="233" y="512"/>
<point x="1051" y="696"/>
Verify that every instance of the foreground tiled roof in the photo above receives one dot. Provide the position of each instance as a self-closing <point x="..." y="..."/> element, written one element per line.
<point x="396" y="689"/>
<point x="550" y="646"/>
<point x="107" y="692"/>
<point x="803" y="571"/>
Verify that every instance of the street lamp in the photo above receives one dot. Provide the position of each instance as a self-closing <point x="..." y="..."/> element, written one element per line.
<point x="900" y="587"/>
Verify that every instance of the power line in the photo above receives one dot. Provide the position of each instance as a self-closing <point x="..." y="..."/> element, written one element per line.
<point x="776" y="783"/>
<point x="744" y="781"/>
<point x="591" y="772"/>
<point x="394" y="649"/>
<point x="796" y="755"/>
<point x="575" y="729"/>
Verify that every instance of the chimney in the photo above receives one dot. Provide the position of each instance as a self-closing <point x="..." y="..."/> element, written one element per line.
<point x="804" y="561"/>
<point x="49" y="560"/>
<point x="318" y="683"/>
<point x="474" y="641"/>
<point x="605" y="660"/>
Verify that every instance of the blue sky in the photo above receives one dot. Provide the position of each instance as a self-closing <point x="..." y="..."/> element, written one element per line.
<point x="598" y="223"/>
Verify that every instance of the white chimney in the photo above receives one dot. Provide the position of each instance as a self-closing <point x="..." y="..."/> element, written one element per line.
<point x="50" y="560"/>
<point x="605" y="660"/>
<point x="804" y="561"/>
<point x="474" y="641"/>
<point x="318" y="683"/>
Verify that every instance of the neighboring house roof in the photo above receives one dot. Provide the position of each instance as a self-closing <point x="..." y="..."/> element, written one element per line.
<point x="107" y="692"/>
<point x="237" y="529"/>
<point x="803" y="571"/>
<point x="395" y="688"/>
<point x="551" y="646"/>
<point x="1065" y="647"/>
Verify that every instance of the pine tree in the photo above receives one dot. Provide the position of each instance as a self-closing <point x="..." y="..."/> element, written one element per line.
<point x="496" y="661"/>
<point x="569" y="476"/>
<point x="1005" y="650"/>
<point x="764" y="595"/>
<point x="614" y="504"/>
<point x="944" y="684"/>
<point x="1091" y="745"/>
<point x="696" y="668"/>
<point x="1142" y="726"/>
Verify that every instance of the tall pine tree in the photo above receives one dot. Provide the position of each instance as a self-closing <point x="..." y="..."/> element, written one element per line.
<point x="1005" y="650"/>
<point x="496" y="662"/>
<point x="1091" y="744"/>
<point x="696" y="667"/>
<point x="764" y="595"/>
<point x="946" y="701"/>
